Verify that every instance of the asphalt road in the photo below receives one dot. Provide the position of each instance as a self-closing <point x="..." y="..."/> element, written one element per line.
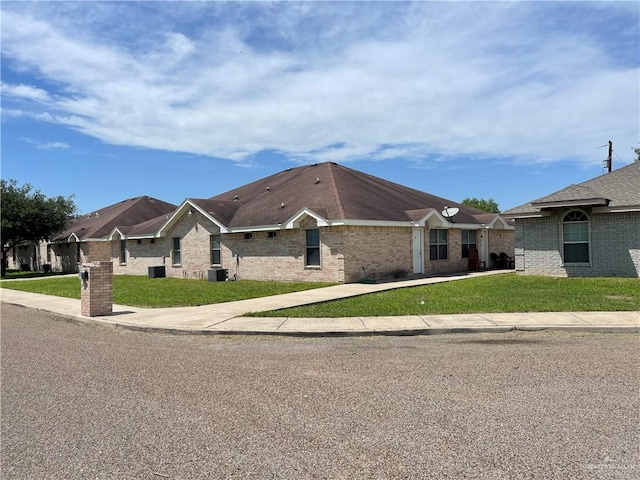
<point x="85" y="402"/>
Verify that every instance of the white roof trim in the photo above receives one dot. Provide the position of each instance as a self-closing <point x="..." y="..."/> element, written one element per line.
<point x="183" y="210"/>
<point x="294" y="221"/>
<point x="620" y="209"/>
<point x="571" y="203"/>
<point x="503" y="225"/>
<point x="113" y="233"/>
<point x="515" y="216"/>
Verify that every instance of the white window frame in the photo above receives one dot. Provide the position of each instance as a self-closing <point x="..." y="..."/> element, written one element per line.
<point x="123" y="251"/>
<point x="564" y="243"/>
<point x="174" y="251"/>
<point x="307" y="263"/>
<point x="212" y="239"/>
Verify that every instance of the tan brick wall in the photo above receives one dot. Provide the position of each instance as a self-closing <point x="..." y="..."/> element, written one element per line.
<point x="194" y="232"/>
<point x="384" y="252"/>
<point x="376" y="252"/>
<point x="99" y="251"/>
<point x="140" y="256"/>
<point x="502" y="241"/>
<point x="282" y="258"/>
<point x="454" y="261"/>
<point x="64" y="258"/>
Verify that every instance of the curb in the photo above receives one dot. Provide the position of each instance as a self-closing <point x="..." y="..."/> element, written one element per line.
<point x="90" y="321"/>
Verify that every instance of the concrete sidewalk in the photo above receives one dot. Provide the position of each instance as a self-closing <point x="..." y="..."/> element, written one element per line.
<point x="227" y="318"/>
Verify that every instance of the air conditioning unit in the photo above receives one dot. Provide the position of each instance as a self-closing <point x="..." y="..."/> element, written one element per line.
<point x="157" y="272"/>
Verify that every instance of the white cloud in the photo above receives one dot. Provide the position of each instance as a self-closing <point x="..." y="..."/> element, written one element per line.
<point x="45" y="145"/>
<point x="53" y="146"/>
<point x="26" y="92"/>
<point x="412" y="80"/>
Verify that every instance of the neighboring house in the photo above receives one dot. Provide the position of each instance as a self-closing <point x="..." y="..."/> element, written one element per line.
<point x="585" y="230"/>
<point x="87" y="237"/>
<point x="323" y="222"/>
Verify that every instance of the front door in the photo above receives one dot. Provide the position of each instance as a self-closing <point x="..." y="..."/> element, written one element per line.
<point x="418" y="250"/>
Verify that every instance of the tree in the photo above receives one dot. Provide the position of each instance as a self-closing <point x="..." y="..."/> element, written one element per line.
<point x="637" y="152"/>
<point x="488" y="205"/>
<point x="30" y="216"/>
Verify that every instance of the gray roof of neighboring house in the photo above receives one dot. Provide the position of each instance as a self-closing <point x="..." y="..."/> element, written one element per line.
<point x="332" y="191"/>
<point x="124" y="215"/>
<point x="617" y="189"/>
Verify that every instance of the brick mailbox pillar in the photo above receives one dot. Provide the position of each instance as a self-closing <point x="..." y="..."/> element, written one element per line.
<point x="96" y="280"/>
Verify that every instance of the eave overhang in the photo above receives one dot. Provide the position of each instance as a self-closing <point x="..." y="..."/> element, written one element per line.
<point x="585" y="202"/>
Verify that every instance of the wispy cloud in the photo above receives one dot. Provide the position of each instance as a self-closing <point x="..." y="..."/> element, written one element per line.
<point x="26" y="92"/>
<point x="423" y="80"/>
<point x="45" y="145"/>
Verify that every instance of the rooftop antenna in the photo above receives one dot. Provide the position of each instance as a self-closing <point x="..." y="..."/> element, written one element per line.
<point x="449" y="212"/>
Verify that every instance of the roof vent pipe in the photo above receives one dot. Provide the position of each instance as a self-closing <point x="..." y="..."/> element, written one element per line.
<point x="235" y="198"/>
<point x="317" y="180"/>
<point x="268" y="189"/>
<point x="282" y="205"/>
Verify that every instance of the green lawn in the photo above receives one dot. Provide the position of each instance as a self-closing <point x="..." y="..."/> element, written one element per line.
<point x="165" y="292"/>
<point x="497" y="293"/>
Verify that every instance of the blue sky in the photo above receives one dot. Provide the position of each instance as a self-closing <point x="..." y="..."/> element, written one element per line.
<point x="509" y="100"/>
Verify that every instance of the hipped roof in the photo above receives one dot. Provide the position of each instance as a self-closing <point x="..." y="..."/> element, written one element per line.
<point x="332" y="191"/>
<point x="329" y="191"/>
<point x="124" y="215"/>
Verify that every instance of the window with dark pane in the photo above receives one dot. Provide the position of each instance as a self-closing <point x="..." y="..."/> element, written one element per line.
<point x="215" y="250"/>
<point x="175" y="251"/>
<point x="123" y="251"/>
<point x="438" y="244"/>
<point x="313" y="247"/>
<point x="469" y="240"/>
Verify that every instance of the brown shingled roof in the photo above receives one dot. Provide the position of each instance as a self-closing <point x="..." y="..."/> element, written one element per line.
<point x="331" y="190"/>
<point x="125" y="214"/>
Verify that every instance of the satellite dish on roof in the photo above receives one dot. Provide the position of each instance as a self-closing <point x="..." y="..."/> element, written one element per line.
<point x="449" y="212"/>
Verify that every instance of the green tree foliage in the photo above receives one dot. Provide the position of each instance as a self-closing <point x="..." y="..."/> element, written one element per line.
<point x="29" y="216"/>
<point x="637" y="152"/>
<point x="488" y="205"/>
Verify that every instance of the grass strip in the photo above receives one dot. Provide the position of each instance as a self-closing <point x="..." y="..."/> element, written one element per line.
<point x="491" y="294"/>
<point x="140" y="291"/>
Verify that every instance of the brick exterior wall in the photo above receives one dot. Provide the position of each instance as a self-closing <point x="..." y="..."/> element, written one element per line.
<point x="141" y="256"/>
<point x="96" y="295"/>
<point x="502" y="241"/>
<point x="283" y="257"/>
<point x="376" y="252"/>
<point x="614" y="246"/>
<point x="64" y="257"/>
<point x="348" y="253"/>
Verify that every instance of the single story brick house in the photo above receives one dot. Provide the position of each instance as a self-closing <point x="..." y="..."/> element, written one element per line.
<point x="585" y="230"/>
<point x="321" y="222"/>
<point x="87" y="237"/>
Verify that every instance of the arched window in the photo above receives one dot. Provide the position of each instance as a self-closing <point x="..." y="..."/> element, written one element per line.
<point x="575" y="237"/>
